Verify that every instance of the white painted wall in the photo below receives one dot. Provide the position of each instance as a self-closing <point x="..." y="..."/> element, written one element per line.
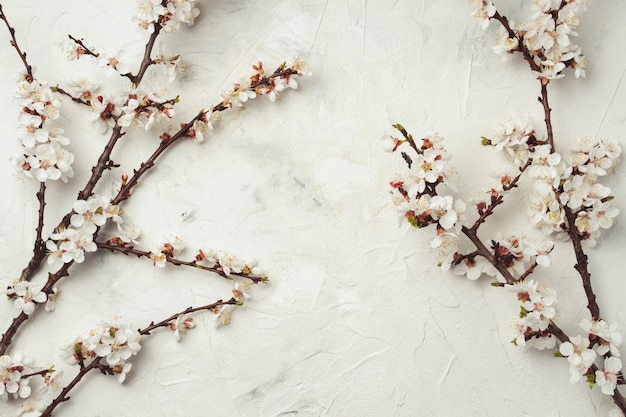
<point x="358" y="320"/>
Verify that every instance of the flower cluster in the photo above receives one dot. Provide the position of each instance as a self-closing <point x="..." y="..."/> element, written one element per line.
<point x="137" y="109"/>
<point x="227" y="263"/>
<point x="169" y="14"/>
<point x="602" y="341"/>
<point x="170" y="64"/>
<point x="168" y="249"/>
<point x="202" y="125"/>
<point x="517" y="253"/>
<point x="114" y="342"/>
<point x="14" y="377"/>
<point x="416" y="195"/>
<point x="570" y="182"/>
<point x="43" y="155"/>
<point x="260" y="83"/>
<point x="512" y="138"/>
<point x="546" y="37"/>
<point x="538" y="308"/>
<point x="70" y="244"/>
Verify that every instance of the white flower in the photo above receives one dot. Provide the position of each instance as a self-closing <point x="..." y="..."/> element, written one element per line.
<point x="473" y="268"/>
<point x="222" y="314"/>
<point x="12" y="382"/>
<point x="231" y="263"/>
<point x="51" y="304"/>
<point x="28" y="294"/>
<point x="579" y="356"/>
<point x="159" y="259"/>
<point x="112" y="62"/>
<point x="607" y="378"/>
<point x="181" y="325"/>
<point x="128" y="233"/>
<point x="118" y="343"/>
<point x="609" y="339"/>
<point x="484" y="10"/>
<point x="89" y="211"/>
<point x="447" y="246"/>
<point x="240" y="292"/>
<point x="121" y="369"/>
<point x="442" y="211"/>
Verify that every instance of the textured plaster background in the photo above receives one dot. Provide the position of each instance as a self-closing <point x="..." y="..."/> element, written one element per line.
<point x="358" y="320"/>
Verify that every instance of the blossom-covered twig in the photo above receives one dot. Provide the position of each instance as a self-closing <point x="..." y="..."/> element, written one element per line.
<point x="216" y="264"/>
<point x="568" y="200"/>
<point x="43" y="157"/>
<point x="109" y="347"/>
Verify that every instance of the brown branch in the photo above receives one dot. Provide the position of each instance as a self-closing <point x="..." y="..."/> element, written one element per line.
<point x="63" y="396"/>
<point x="61" y="91"/>
<point x="167" y="321"/>
<point x="528" y="56"/>
<point x="546" y="111"/>
<point x="96" y="364"/>
<point x="618" y="398"/>
<point x="174" y="261"/>
<point x="147" y="59"/>
<point x="486" y="253"/>
<point x="96" y="172"/>
<point x="17" y="322"/>
<point x="125" y="191"/>
<point x="27" y="66"/>
<point x="8" y="336"/>
<point x="500" y="199"/>
<point x="581" y="263"/>
<point x="86" y="50"/>
<point x="39" y="247"/>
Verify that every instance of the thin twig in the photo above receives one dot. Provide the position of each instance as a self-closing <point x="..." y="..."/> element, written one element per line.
<point x="29" y="69"/>
<point x="126" y="250"/>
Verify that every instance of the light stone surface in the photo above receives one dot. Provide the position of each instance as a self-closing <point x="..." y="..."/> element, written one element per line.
<point x="358" y="320"/>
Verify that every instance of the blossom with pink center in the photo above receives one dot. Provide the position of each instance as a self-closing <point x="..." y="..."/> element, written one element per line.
<point x="607" y="378"/>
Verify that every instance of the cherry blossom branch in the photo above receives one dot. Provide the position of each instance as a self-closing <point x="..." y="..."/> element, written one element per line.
<point x="512" y="34"/>
<point x="500" y="198"/>
<point x="97" y="361"/>
<point x="61" y="91"/>
<point x="581" y="263"/>
<point x="547" y="111"/>
<point x="8" y="336"/>
<point x="63" y="396"/>
<point x="168" y="140"/>
<point x="166" y="322"/>
<point x="83" y="49"/>
<point x="147" y="57"/>
<point x="482" y="249"/>
<point x="126" y="250"/>
<point x="39" y="247"/>
<point x="125" y="191"/>
<point x="27" y="66"/>
<point x="617" y="396"/>
<point x="17" y="322"/>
